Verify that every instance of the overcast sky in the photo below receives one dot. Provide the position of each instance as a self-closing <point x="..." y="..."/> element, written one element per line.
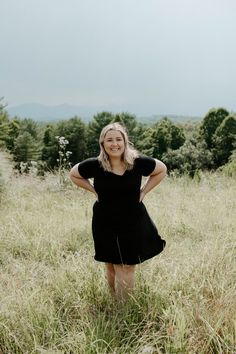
<point x="160" y="56"/>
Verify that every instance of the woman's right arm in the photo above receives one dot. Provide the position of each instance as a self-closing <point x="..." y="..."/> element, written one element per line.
<point x="80" y="181"/>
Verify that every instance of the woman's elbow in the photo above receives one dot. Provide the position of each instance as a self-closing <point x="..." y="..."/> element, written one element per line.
<point x="72" y="174"/>
<point x="164" y="169"/>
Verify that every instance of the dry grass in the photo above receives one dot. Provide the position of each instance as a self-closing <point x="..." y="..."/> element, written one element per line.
<point x="53" y="296"/>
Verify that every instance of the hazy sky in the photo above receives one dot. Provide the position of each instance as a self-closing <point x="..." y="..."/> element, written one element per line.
<point x="160" y="56"/>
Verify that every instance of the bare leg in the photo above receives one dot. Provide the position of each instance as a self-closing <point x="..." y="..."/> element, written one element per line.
<point x="111" y="277"/>
<point x="124" y="278"/>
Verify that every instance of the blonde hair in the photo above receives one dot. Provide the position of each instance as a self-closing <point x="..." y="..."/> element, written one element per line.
<point x="130" y="153"/>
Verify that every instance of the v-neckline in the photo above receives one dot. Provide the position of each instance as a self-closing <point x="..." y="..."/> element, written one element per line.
<point x="122" y="167"/>
<point x="116" y="174"/>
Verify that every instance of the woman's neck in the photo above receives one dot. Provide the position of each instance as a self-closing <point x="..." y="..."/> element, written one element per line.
<point x="116" y="163"/>
<point x="118" y="167"/>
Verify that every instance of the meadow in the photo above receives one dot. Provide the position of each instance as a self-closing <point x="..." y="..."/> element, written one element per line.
<point x="53" y="295"/>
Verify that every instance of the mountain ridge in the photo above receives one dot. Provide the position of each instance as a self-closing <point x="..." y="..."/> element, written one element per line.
<point x="43" y="113"/>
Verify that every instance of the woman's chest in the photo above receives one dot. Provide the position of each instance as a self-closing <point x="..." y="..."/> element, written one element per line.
<point x="107" y="182"/>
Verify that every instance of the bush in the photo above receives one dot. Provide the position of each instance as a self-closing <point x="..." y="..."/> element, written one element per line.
<point x="189" y="158"/>
<point x="229" y="169"/>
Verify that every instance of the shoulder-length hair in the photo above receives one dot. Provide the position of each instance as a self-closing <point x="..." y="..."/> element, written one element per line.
<point x="129" y="155"/>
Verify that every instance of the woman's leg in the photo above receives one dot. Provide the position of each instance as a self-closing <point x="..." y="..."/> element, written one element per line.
<point x="124" y="279"/>
<point x="111" y="277"/>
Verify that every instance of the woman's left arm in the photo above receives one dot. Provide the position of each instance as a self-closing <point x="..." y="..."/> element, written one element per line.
<point x="154" y="179"/>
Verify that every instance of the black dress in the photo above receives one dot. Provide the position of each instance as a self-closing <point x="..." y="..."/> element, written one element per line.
<point x="123" y="231"/>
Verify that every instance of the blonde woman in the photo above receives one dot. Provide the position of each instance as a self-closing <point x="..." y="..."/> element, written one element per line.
<point x="123" y="232"/>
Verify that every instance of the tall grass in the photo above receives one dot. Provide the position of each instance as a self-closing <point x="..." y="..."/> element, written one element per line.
<point x="53" y="295"/>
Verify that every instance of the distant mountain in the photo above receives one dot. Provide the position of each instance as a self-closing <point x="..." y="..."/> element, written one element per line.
<point x="173" y="117"/>
<point x="41" y="112"/>
<point x="44" y="113"/>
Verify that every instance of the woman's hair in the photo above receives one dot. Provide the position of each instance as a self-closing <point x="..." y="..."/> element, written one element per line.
<point x="130" y="153"/>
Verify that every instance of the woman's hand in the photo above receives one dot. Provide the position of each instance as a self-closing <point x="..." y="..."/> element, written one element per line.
<point x="154" y="179"/>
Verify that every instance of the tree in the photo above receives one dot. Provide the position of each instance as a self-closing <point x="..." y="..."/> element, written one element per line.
<point x="177" y="137"/>
<point x="74" y="130"/>
<point x="30" y="126"/>
<point x="161" y="137"/>
<point x="189" y="158"/>
<point x="4" y="123"/>
<point x="50" y="147"/>
<point x="99" y="121"/>
<point x="210" y="123"/>
<point x="25" y="141"/>
<point x="25" y="148"/>
<point x="224" y="140"/>
<point x="13" y="132"/>
<point x="134" y="129"/>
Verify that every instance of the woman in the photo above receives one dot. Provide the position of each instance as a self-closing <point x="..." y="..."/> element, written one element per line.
<point x="123" y="232"/>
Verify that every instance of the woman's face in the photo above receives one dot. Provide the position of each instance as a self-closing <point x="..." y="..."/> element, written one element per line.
<point x="114" y="144"/>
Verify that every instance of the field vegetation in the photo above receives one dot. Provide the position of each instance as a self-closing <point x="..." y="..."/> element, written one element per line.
<point x="53" y="295"/>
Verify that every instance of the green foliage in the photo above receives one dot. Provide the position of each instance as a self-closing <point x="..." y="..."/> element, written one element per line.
<point x="177" y="137"/>
<point x="218" y="129"/>
<point x="134" y="129"/>
<point x="30" y="126"/>
<point x="4" y="123"/>
<point x="25" y="148"/>
<point x="74" y="130"/>
<point x="224" y="140"/>
<point x="162" y="136"/>
<point x="229" y="169"/>
<point x="50" y="147"/>
<point x="184" y="147"/>
<point x="190" y="128"/>
<point x="13" y="132"/>
<point x="210" y="123"/>
<point x="24" y="141"/>
<point x="48" y="139"/>
<point x="191" y="157"/>
<point x="94" y="129"/>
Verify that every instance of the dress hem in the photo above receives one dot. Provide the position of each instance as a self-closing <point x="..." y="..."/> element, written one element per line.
<point x="141" y="260"/>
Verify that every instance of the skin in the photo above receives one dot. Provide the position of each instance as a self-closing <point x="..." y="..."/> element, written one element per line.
<point x="114" y="146"/>
<point x="120" y="277"/>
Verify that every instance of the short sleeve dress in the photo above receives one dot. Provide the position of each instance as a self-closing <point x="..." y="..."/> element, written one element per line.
<point x="123" y="231"/>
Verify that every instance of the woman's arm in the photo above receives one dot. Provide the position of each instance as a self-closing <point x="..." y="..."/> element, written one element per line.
<point x="80" y="181"/>
<point x="154" y="179"/>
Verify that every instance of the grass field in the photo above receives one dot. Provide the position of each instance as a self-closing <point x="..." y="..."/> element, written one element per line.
<point x="53" y="295"/>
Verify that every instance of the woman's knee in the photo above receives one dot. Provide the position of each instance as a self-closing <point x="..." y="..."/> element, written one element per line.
<point x="124" y="269"/>
<point x="110" y="268"/>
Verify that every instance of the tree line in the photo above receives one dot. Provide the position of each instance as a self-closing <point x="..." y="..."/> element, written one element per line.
<point x="184" y="147"/>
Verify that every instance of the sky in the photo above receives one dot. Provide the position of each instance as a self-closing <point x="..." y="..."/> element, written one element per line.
<point x="143" y="56"/>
